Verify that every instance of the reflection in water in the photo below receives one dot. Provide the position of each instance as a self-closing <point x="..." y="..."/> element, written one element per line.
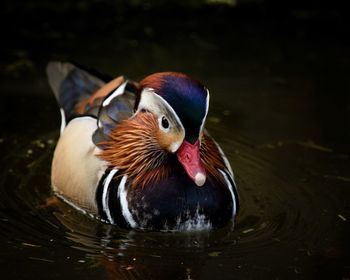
<point x="140" y="255"/>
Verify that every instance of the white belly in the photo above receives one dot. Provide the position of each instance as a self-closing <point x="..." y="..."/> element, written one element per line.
<point x="76" y="169"/>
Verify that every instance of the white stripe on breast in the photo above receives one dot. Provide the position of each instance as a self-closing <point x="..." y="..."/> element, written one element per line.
<point x="122" y="194"/>
<point x="227" y="163"/>
<point x="230" y="187"/>
<point x="105" y="195"/>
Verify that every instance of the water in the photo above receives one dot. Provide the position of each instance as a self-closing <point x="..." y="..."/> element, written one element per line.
<point x="278" y="114"/>
<point x="291" y="225"/>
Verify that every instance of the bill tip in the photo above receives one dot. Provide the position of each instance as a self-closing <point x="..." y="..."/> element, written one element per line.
<point x="199" y="179"/>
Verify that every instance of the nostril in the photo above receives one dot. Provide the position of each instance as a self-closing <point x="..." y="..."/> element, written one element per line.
<point x="188" y="156"/>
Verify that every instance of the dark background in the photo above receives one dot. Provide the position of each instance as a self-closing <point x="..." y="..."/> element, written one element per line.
<point x="248" y="42"/>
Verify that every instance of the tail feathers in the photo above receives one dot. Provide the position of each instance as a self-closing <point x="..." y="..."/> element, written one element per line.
<point x="71" y="84"/>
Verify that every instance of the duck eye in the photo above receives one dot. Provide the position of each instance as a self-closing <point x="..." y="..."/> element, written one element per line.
<point x="165" y="122"/>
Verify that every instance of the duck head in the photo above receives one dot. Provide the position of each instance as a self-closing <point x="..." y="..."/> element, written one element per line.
<point x="180" y="105"/>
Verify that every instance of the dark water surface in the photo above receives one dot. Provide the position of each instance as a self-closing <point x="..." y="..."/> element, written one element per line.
<point x="279" y="107"/>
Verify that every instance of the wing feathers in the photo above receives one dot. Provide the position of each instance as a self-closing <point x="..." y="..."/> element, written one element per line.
<point x="71" y="85"/>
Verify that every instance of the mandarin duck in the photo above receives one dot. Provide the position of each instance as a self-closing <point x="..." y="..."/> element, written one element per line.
<point x="137" y="155"/>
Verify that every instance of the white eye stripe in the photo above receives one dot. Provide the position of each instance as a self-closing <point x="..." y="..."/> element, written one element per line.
<point x="206" y="111"/>
<point x="156" y="104"/>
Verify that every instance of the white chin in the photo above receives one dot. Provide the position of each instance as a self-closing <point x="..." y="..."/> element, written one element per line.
<point x="174" y="147"/>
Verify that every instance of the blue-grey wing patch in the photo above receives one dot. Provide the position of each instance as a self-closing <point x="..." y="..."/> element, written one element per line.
<point x="71" y="84"/>
<point x="116" y="107"/>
